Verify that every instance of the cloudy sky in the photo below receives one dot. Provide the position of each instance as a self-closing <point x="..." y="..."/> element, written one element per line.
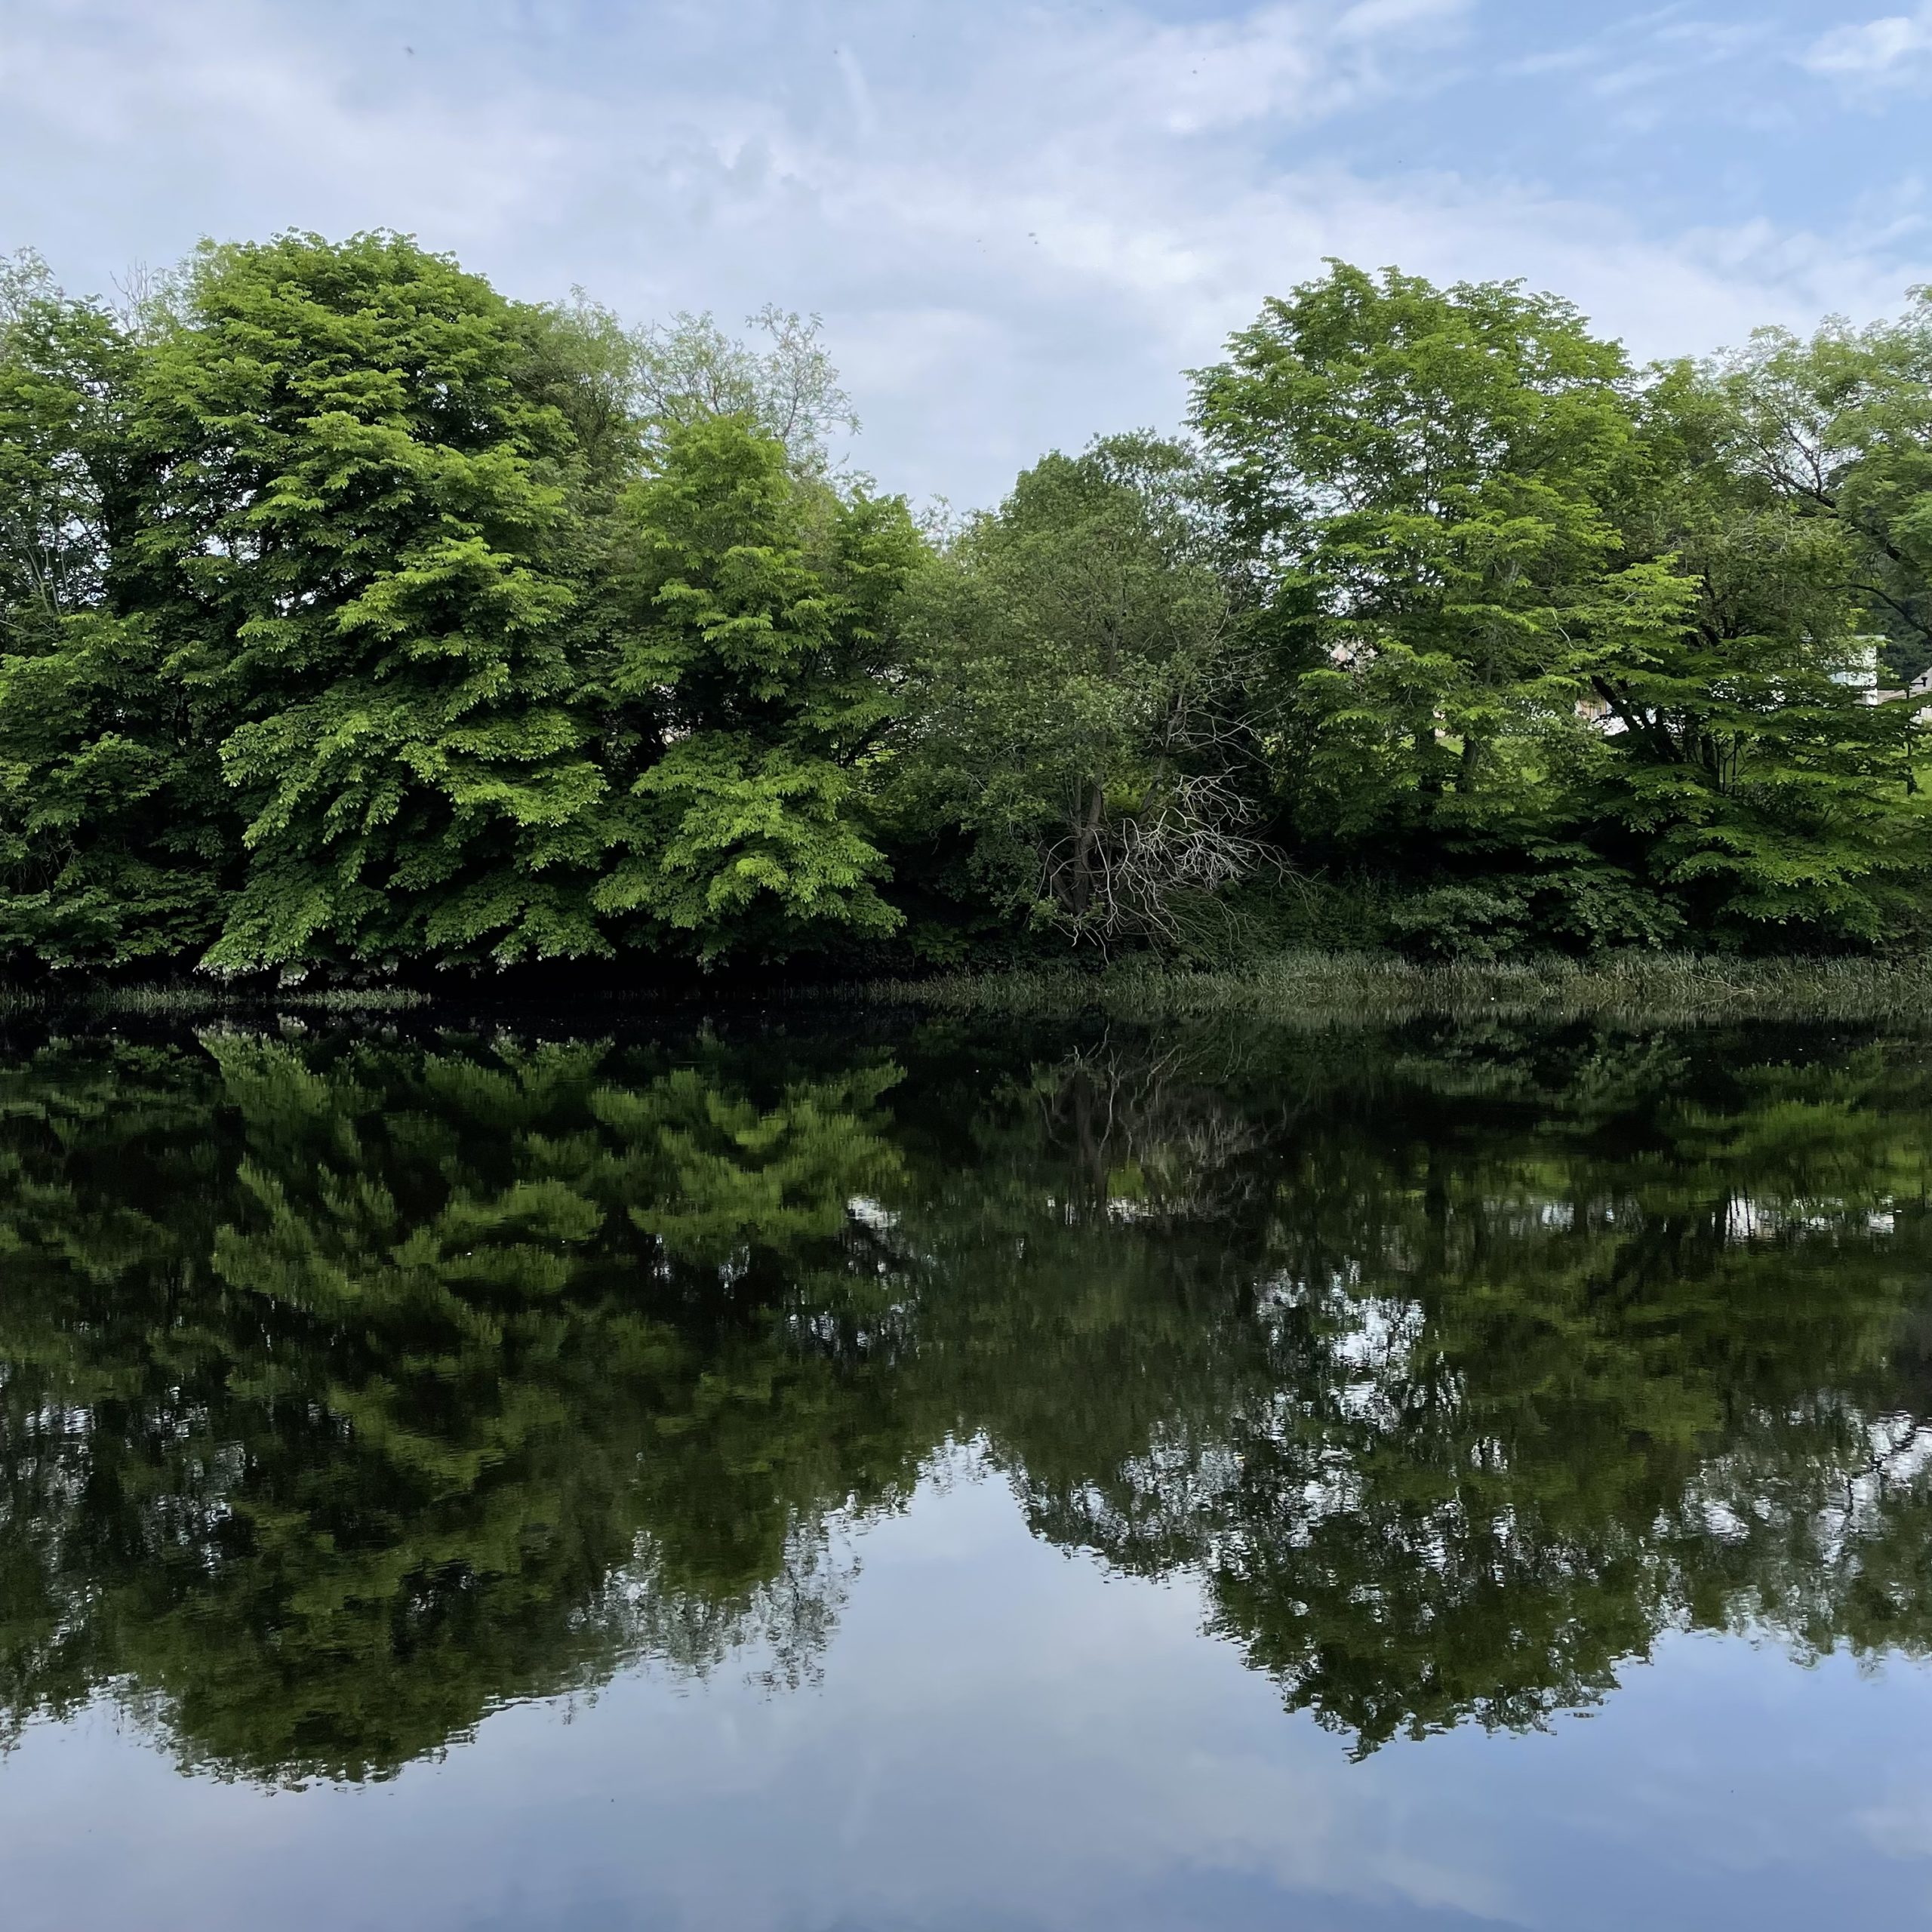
<point x="1020" y="221"/>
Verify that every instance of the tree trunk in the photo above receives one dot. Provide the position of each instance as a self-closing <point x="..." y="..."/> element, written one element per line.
<point x="1083" y="850"/>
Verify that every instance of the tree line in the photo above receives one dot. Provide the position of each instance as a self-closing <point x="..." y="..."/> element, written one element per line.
<point x="356" y="618"/>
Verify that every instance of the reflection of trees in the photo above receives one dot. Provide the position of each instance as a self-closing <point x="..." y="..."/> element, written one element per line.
<point x="1528" y="1379"/>
<point x="350" y="1392"/>
<point x="351" y="1388"/>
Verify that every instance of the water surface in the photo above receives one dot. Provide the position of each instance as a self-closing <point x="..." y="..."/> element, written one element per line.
<point x="947" y="1477"/>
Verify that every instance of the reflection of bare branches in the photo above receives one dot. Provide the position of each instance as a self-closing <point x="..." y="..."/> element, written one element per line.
<point x="1117" y="1111"/>
<point x="789" y="1619"/>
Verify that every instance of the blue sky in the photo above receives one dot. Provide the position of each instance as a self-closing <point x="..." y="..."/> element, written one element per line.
<point x="1020" y="221"/>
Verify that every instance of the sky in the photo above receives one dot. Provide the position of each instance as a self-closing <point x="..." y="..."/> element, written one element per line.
<point x="1021" y="222"/>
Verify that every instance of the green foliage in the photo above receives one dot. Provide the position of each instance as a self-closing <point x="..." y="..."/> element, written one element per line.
<point x="436" y="1400"/>
<point x="748" y="686"/>
<point x="1560" y="644"/>
<point x="1074" y="714"/>
<point x="691" y="371"/>
<point x="355" y="618"/>
<point x="114" y="824"/>
<point x="1426" y="477"/>
<point x="1764" y="784"/>
<point x="1426" y="473"/>
<point x="58" y="395"/>
<point x="356" y="536"/>
<point x="1839" y="429"/>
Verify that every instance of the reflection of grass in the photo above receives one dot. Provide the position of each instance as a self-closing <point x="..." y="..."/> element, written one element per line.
<point x="187" y="1001"/>
<point x="1335" y="988"/>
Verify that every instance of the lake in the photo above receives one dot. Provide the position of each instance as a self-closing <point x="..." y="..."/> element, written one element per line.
<point x="866" y="1473"/>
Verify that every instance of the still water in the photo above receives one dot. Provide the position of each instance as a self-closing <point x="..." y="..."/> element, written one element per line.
<point x="964" y="1478"/>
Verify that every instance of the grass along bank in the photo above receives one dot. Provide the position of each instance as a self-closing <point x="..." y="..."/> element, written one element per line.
<point x="1339" y="989"/>
<point x="173" y="1000"/>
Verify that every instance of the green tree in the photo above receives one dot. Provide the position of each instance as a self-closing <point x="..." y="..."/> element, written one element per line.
<point x="1569" y="654"/>
<point x="1840" y="428"/>
<point x="357" y="534"/>
<point x="1423" y="476"/>
<point x="1075" y="716"/>
<point x="689" y="370"/>
<point x="747" y="683"/>
<point x="1424" y="479"/>
<point x="1757" y="780"/>
<point x="115" y="828"/>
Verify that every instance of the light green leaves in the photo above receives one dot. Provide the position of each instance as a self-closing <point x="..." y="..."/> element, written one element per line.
<point x="752" y="675"/>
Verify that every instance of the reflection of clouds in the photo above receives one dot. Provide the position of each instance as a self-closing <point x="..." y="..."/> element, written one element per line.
<point x="1003" y="1738"/>
<point x="985" y="1693"/>
<point x="1901" y="1826"/>
<point x="1893" y="50"/>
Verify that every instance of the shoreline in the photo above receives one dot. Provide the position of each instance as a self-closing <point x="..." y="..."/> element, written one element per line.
<point x="1339" y="989"/>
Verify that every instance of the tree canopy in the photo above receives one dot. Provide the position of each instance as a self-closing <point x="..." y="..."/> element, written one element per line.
<point x="357" y="619"/>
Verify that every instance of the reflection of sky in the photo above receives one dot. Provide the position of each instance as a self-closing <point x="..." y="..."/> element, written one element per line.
<point x="1006" y="1739"/>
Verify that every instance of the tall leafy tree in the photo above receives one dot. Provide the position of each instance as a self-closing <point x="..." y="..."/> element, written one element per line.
<point x="1839" y="427"/>
<point x="1076" y="714"/>
<point x="1753" y="775"/>
<point x="115" y="831"/>
<point x="358" y="534"/>
<point x="1423" y="474"/>
<point x="1562" y="652"/>
<point x="1422" y="479"/>
<point x="748" y="682"/>
<point x="782" y="380"/>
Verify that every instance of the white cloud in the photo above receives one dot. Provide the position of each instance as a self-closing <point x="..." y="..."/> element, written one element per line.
<point x="1021" y="222"/>
<point x="1283" y="62"/>
<point x="1895" y="50"/>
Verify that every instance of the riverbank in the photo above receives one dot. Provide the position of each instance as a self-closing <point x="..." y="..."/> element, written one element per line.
<point x="1339" y="989"/>
<point x="175" y="1000"/>
<point x="1318" y="989"/>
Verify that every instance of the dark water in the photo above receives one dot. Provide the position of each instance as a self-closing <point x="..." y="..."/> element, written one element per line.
<point x="945" y="1479"/>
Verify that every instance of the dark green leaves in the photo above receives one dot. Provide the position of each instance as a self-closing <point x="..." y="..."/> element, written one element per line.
<point x="354" y="617"/>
